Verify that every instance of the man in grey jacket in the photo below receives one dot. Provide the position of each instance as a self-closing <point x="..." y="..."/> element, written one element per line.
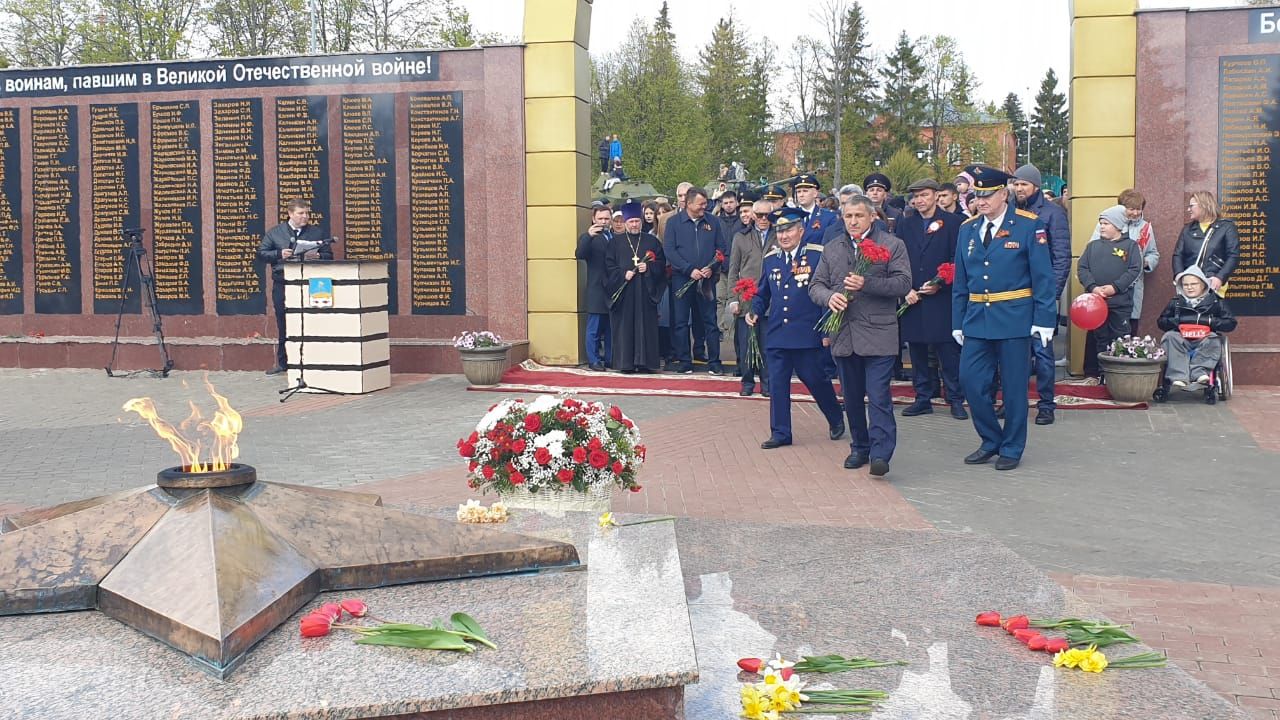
<point x="746" y="258"/>
<point x="866" y="343"/>
<point x="278" y="246"/>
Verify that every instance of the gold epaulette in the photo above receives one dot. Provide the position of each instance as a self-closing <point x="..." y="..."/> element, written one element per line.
<point x="1026" y="214"/>
<point x="811" y="246"/>
<point x="975" y="217"/>
<point x="775" y="251"/>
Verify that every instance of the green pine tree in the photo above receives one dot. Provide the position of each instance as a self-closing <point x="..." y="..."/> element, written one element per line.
<point x="1013" y="112"/>
<point x="905" y="103"/>
<point x="1050" y="129"/>
<point x="846" y="90"/>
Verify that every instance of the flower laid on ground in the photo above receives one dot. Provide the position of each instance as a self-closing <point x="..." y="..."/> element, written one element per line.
<point x="946" y="275"/>
<point x="607" y="520"/>
<point x="1081" y="632"/>
<point x="473" y="512"/>
<point x="746" y="291"/>
<point x="990" y="618"/>
<point x="648" y="258"/>
<point x="551" y="444"/>
<point x="458" y="634"/>
<point x="718" y="261"/>
<point x="780" y="691"/>
<point x="1091" y="659"/>
<point x="869" y="253"/>
<point x="470" y="340"/>
<point x="1133" y="347"/>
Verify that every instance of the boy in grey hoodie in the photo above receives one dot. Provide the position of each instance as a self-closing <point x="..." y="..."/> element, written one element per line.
<point x="1192" y="321"/>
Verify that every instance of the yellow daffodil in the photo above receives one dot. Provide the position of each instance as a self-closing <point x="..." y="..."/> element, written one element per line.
<point x="785" y="698"/>
<point x="756" y="706"/>
<point x="1070" y="658"/>
<point x="1094" y="662"/>
<point x="606" y="520"/>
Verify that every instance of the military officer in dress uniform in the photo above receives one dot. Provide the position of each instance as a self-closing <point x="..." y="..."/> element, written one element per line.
<point x="1002" y="300"/>
<point x="878" y="187"/>
<point x="791" y="342"/>
<point x="776" y="195"/>
<point x="818" y="219"/>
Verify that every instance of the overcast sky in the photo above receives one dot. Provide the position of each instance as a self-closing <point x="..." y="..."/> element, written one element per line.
<point x="1008" y="46"/>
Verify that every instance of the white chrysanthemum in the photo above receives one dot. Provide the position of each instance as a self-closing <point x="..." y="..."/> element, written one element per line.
<point x="542" y="403"/>
<point x="492" y="417"/>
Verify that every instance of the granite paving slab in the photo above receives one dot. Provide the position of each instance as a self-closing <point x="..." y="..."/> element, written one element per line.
<point x="564" y="633"/>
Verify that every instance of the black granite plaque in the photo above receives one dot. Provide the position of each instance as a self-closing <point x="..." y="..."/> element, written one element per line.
<point x="175" y="207"/>
<point x="238" y="212"/>
<point x="113" y="173"/>
<point x="438" y="256"/>
<point x="368" y="181"/>
<point x="302" y="154"/>
<point x="10" y="207"/>
<point x="55" y="199"/>
<point x="1248" y="139"/>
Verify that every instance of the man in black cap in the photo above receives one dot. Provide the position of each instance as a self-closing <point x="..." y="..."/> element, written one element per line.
<point x="878" y="186"/>
<point x="930" y="236"/>
<point x="806" y="190"/>
<point x="1002" y="301"/>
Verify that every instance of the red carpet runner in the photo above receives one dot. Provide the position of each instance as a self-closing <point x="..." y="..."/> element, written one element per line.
<point x="530" y="377"/>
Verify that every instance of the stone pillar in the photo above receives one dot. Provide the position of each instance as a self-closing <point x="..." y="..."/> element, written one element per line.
<point x="558" y="164"/>
<point x="1104" y="39"/>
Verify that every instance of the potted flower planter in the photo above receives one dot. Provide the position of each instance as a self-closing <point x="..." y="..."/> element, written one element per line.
<point x="484" y="357"/>
<point x="1130" y="379"/>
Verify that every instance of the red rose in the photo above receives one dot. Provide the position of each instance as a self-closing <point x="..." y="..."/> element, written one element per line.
<point x="315" y="625"/>
<point x="626" y="422"/>
<point x="615" y="412"/>
<point x="617" y="467"/>
<point x="542" y="456"/>
<point x="474" y="437"/>
<point x="1053" y="645"/>
<point x="1017" y="622"/>
<point x="518" y="446"/>
<point x="990" y="618"/>
<point x="564" y="415"/>
<point x="533" y="423"/>
<point x="471" y="466"/>
<point x="487" y="472"/>
<point x="517" y="478"/>
<point x="579" y="455"/>
<point x="598" y="459"/>
<point x="595" y="444"/>
<point x="565" y="476"/>
<point x="466" y="450"/>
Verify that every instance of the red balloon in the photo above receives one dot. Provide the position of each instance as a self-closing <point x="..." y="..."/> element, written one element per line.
<point x="1088" y="311"/>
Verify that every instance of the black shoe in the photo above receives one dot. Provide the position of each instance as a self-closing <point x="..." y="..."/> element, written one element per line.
<point x="684" y="369"/>
<point x="1006" y="463"/>
<point x="1000" y="412"/>
<point x="715" y="369"/>
<point x="644" y="371"/>
<point x="276" y="370"/>
<point x="765" y="392"/>
<point x="836" y="432"/>
<point x="917" y="408"/>
<point x="979" y="456"/>
<point x="772" y="443"/>
<point x="747" y="390"/>
<point x="598" y="367"/>
<point x="855" y="461"/>
<point x="958" y="411"/>
<point x="700" y="358"/>
<point x="879" y="467"/>
<point x="1044" y="417"/>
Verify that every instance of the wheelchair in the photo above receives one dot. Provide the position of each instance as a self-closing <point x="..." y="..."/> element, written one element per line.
<point x="1219" y="387"/>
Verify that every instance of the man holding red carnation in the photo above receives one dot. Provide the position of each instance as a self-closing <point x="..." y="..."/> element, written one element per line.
<point x="746" y="258"/>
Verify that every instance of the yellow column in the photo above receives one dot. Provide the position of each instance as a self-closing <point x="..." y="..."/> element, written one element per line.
<point x="1104" y="60"/>
<point x="558" y="152"/>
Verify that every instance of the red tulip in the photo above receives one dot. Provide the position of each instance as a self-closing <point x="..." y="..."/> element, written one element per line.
<point x="1025" y="634"/>
<point x="1017" y="622"/>
<point x="786" y="673"/>
<point x="1037" y="642"/>
<point x="1053" y="645"/>
<point x="636" y="488"/>
<point x="355" y="607"/>
<point x="331" y="610"/>
<point x="990" y="618"/>
<point x="751" y="665"/>
<point x="315" y="625"/>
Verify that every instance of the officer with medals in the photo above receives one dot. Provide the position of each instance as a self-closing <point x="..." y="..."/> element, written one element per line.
<point x="1002" y="300"/>
<point x="791" y="342"/>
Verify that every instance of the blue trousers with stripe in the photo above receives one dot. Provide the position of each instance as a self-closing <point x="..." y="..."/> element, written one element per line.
<point x="979" y="360"/>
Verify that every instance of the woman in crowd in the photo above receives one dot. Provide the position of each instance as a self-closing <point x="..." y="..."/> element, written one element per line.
<point x="1208" y="241"/>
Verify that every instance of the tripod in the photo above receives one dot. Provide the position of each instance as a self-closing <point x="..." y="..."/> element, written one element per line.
<point x="302" y="342"/>
<point x="134" y="267"/>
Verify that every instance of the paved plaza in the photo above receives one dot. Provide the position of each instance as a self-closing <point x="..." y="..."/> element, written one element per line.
<point x="1164" y="518"/>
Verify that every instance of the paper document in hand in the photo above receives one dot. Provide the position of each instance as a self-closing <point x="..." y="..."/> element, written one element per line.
<point x="304" y="246"/>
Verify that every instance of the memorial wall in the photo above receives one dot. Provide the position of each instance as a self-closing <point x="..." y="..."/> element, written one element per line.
<point x="200" y="157"/>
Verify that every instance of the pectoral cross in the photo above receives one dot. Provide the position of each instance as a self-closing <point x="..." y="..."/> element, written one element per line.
<point x="635" y="260"/>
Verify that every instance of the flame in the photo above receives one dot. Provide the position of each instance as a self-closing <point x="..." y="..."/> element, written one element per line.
<point x="225" y="427"/>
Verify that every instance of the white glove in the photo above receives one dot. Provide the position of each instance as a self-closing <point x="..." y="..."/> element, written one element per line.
<point x="1045" y="334"/>
<point x="958" y="335"/>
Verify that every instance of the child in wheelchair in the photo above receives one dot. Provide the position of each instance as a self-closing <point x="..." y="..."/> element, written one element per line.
<point x="1193" y="320"/>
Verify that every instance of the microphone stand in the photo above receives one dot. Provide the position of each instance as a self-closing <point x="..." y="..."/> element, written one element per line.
<point x="302" y="338"/>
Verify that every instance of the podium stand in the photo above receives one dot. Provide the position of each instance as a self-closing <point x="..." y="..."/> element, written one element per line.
<point x="336" y="332"/>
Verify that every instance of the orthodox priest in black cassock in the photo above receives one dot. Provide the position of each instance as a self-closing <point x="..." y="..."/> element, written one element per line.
<point x="635" y="271"/>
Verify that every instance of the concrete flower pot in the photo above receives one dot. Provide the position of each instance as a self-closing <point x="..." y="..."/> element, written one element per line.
<point x="1130" y="379"/>
<point x="484" y="366"/>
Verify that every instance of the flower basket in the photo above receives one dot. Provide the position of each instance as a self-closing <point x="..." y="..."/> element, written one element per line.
<point x="484" y="357"/>
<point x="1131" y="367"/>
<point x="553" y="454"/>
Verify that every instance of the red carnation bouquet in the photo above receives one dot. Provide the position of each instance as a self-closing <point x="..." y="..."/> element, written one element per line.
<point x="746" y="291"/>
<point x="551" y="444"/>
<point x="717" y="262"/>
<point x="869" y="253"/>
<point x="946" y="275"/>
<point x="648" y="258"/>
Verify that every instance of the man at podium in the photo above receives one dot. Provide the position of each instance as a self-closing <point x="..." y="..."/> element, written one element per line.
<point x="291" y="239"/>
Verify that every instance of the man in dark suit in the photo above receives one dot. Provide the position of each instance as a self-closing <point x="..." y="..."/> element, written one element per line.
<point x="930" y="236"/>
<point x="592" y="246"/>
<point x="694" y="240"/>
<point x="277" y="246"/>
<point x="866" y="344"/>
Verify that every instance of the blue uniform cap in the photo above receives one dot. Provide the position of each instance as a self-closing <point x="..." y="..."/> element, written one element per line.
<point x="775" y="192"/>
<point x="806" y="180"/>
<point x="987" y="180"/>
<point x="787" y="216"/>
